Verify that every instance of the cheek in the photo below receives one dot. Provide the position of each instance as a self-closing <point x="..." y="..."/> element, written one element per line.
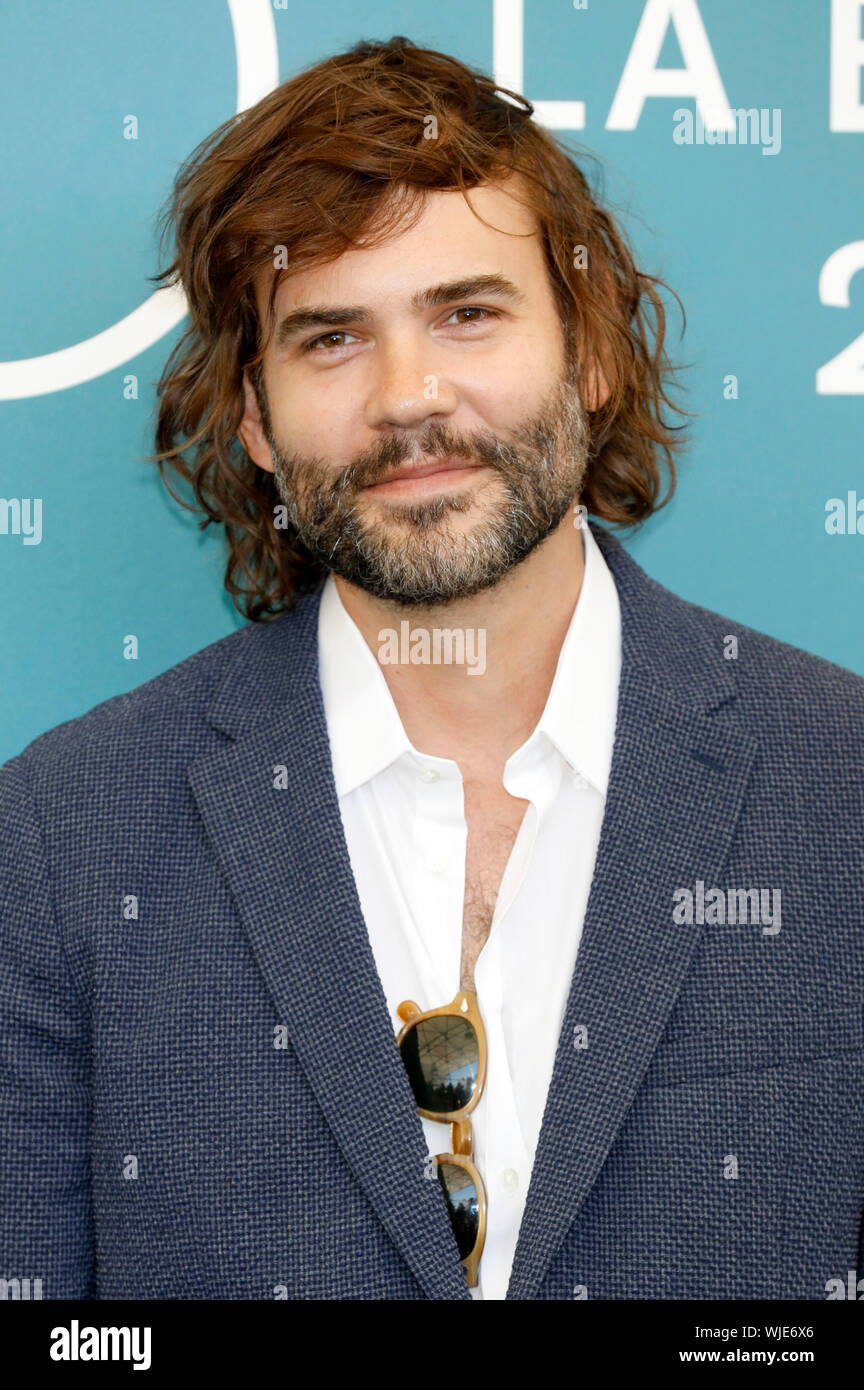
<point x="505" y="399"/>
<point x="514" y="380"/>
<point x="314" y="420"/>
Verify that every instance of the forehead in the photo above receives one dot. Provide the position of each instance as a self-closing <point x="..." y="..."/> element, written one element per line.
<point x="486" y="231"/>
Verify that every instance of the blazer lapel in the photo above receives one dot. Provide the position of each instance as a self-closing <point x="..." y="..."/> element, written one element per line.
<point x="269" y="805"/>
<point x="676" y="785"/>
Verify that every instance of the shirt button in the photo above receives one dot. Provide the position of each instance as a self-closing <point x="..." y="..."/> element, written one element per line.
<point x="579" y="780"/>
<point x="435" y="865"/>
<point x="510" y="1179"/>
<point x="429" y="775"/>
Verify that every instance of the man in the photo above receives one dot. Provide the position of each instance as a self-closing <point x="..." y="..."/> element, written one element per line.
<point x="477" y="854"/>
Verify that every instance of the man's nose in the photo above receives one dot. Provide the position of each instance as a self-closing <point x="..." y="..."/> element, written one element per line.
<point x="407" y="386"/>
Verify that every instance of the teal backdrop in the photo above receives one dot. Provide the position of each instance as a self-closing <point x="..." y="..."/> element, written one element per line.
<point x="763" y="240"/>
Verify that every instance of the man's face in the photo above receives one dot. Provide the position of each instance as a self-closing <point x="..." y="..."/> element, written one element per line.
<point x="441" y="349"/>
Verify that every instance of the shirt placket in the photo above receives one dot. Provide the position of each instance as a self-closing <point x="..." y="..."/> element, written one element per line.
<point x="501" y="1152"/>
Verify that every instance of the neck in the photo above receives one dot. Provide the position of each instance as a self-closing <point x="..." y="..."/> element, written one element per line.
<point x="479" y="720"/>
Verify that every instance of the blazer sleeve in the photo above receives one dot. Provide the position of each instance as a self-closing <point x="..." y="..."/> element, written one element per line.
<point x="46" y="1217"/>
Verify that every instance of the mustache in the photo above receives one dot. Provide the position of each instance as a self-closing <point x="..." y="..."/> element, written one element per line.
<point x="373" y="465"/>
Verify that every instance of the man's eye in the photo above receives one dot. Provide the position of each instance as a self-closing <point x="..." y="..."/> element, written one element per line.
<point x="474" y="309"/>
<point x="325" y="339"/>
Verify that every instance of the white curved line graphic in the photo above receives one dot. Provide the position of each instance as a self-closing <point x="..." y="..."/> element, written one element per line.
<point x="257" y="74"/>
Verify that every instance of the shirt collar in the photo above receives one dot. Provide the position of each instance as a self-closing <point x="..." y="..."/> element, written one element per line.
<point x="582" y="706"/>
<point x="366" y="733"/>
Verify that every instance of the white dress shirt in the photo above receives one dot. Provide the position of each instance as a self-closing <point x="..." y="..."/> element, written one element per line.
<point x="405" y="828"/>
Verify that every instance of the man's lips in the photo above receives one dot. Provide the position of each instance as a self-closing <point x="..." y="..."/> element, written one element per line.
<point x="442" y="472"/>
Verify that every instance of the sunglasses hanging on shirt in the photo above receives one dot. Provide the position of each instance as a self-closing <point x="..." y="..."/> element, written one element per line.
<point x="444" y="1053"/>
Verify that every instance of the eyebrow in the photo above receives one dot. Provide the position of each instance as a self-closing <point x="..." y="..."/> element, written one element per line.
<point x="335" y="315"/>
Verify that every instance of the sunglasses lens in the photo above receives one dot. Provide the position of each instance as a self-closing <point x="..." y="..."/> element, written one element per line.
<point x="463" y="1205"/>
<point x="442" y="1059"/>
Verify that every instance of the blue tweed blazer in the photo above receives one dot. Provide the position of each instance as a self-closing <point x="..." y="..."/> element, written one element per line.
<point x="200" y="1092"/>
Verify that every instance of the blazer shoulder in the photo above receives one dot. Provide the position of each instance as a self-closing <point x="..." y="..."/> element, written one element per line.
<point x="166" y="711"/>
<point x="682" y="640"/>
<point x="776" y="678"/>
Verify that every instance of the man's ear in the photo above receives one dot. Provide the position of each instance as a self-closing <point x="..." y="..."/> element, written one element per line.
<point x="594" y="388"/>
<point x="596" y="362"/>
<point x="251" y="430"/>
<point x="597" y="388"/>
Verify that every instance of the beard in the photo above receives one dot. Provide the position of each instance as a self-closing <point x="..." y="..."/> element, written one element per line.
<point x="404" y="552"/>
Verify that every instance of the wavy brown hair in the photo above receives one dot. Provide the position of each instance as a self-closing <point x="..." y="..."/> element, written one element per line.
<point x="312" y="168"/>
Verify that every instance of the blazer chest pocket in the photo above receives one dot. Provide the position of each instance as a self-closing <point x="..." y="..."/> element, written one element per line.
<point x="691" y="1055"/>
